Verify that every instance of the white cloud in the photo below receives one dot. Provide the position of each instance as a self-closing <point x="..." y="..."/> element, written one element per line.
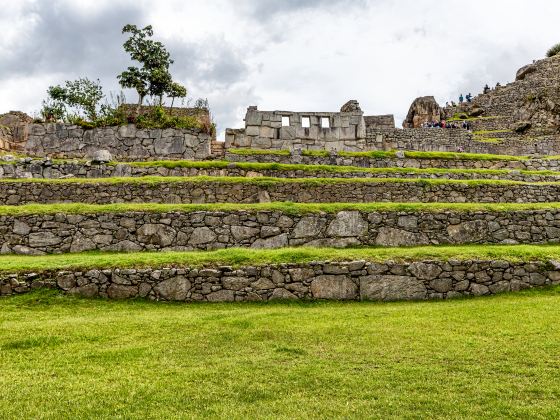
<point x="300" y="55"/>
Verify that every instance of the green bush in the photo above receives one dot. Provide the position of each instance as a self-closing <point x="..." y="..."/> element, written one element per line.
<point x="553" y="51"/>
<point x="159" y="118"/>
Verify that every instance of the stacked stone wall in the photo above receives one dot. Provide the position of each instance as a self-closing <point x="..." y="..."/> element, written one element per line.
<point x="368" y="162"/>
<point x="50" y="170"/>
<point x="125" y="143"/>
<point x="356" y="280"/>
<point x="206" y="230"/>
<point x="305" y="191"/>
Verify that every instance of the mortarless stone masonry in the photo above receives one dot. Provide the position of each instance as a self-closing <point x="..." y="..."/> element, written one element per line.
<point x="356" y="280"/>
<point x="50" y="170"/>
<point x="206" y="230"/>
<point x="125" y="142"/>
<point x="265" y="190"/>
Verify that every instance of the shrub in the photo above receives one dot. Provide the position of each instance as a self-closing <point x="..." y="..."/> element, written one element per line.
<point x="159" y="118"/>
<point x="553" y="51"/>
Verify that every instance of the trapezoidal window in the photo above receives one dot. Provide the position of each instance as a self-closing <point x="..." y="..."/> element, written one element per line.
<point x="325" y="122"/>
<point x="285" y="121"/>
<point x="305" y="122"/>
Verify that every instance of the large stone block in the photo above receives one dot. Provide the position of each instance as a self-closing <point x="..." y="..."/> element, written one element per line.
<point x="348" y="223"/>
<point x="334" y="287"/>
<point x="176" y="288"/>
<point x="388" y="288"/>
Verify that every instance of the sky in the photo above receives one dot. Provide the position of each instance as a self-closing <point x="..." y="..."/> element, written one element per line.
<point x="299" y="55"/>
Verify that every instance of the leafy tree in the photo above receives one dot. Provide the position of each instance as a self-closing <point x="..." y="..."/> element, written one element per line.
<point x="82" y="94"/>
<point x="152" y="77"/>
<point x="176" y="90"/>
<point x="553" y="51"/>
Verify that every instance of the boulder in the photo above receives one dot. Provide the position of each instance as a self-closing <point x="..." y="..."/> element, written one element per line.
<point x="101" y="156"/>
<point x="524" y="71"/>
<point x="422" y="110"/>
<point x="351" y="106"/>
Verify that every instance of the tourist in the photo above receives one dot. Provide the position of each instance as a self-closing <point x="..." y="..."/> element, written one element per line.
<point x="469" y="98"/>
<point x="486" y="88"/>
<point x="461" y="99"/>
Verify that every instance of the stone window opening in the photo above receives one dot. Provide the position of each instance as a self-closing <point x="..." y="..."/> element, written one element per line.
<point x="325" y="122"/>
<point x="305" y="122"/>
<point x="285" y="121"/>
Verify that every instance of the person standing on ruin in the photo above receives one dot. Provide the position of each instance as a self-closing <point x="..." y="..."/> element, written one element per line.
<point x="461" y="99"/>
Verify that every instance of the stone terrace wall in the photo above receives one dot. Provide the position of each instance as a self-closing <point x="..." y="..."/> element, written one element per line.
<point x="357" y="280"/>
<point x="409" y="139"/>
<point x="311" y="191"/>
<point x="37" y="169"/>
<point x="50" y="170"/>
<point x="367" y="162"/>
<point x="206" y="230"/>
<point x="125" y="143"/>
<point x="453" y="140"/>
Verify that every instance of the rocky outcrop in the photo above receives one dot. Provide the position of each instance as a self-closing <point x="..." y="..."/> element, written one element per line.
<point x="422" y="110"/>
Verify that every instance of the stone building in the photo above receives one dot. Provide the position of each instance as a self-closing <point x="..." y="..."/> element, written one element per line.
<point x="289" y="130"/>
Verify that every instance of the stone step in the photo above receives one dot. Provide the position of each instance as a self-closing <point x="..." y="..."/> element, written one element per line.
<point x="253" y="190"/>
<point x="355" y="275"/>
<point x="34" y="230"/>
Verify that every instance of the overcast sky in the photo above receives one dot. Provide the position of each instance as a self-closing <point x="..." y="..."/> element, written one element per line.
<point x="301" y="55"/>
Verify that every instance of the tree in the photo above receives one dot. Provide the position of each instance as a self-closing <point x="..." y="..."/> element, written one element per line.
<point x="176" y="90"/>
<point x="82" y="94"/>
<point x="153" y="77"/>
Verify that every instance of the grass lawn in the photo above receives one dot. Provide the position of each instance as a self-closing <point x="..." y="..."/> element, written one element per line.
<point x="497" y="357"/>
<point x="239" y="257"/>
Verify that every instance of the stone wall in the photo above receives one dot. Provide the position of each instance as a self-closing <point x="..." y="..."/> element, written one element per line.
<point x="55" y="170"/>
<point x="356" y="280"/>
<point x="206" y="230"/>
<point x="266" y="130"/>
<point x="266" y="189"/>
<point x="405" y="162"/>
<point x="125" y="143"/>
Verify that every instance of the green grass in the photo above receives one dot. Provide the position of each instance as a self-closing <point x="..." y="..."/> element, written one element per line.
<point x="379" y="154"/>
<point x="316" y="153"/>
<point x="258" y="166"/>
<point x="285" y="207"/>
<point x="264" y="181"/>
<point x="485" y="132"/>
<point x="259" y="152"/>
<point x="435" y="155"/>
<point x="496" y="357"/>
<point x="243" y="256"/>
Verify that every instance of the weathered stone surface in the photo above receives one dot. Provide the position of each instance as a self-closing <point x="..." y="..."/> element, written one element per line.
<point x="176" y="288"/>
<point x="388" y="288"/>
<point x="333" y="287"/>
<point x="101" y="156"/>
<point x="202" y="235"/>
<point x="424" y="271"/>
<point x="158" y="234"/>
<point x="117" y="291"/>
<point x="422" y="110"/>
<point x="348" y="223"/>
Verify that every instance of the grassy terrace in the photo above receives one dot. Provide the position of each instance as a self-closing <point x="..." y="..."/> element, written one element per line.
<point x="242" y="256"/>
<point x="380" y="154"/>
<point x="154" y="180"/>
<point x="285" y="207"/>
<point x="64" y="357"/>
<point x="325" y="168"/>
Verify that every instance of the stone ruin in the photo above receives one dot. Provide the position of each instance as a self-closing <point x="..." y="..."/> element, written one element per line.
<point x="305" y="130"/>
